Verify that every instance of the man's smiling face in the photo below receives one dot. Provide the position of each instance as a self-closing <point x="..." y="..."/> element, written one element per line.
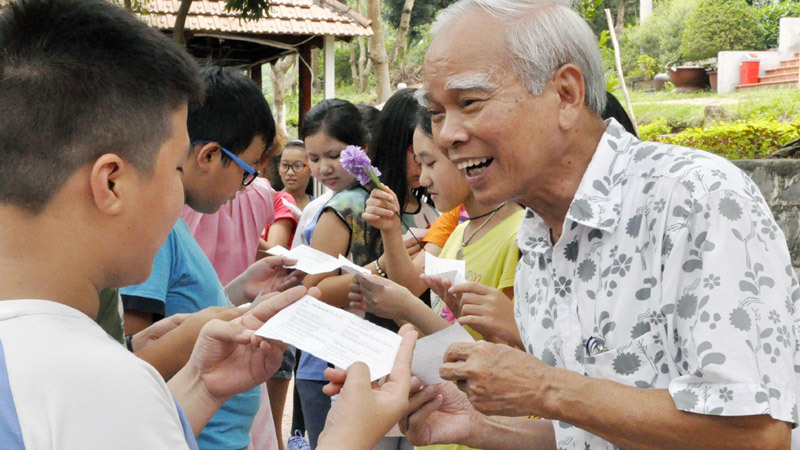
<point x="495" y="132"/>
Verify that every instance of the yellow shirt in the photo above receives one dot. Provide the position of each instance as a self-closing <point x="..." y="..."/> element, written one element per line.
<point x="491" y="261"/>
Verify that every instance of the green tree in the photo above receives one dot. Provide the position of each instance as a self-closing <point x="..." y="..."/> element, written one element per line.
<point x="424" y="12"/>
<point x="770" y="16"/>
<point x="720" y="25"/>
<point x="249" y="9"/>
<point x="659" y="36"/>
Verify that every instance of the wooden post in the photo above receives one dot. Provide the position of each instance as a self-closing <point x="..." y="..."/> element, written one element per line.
<point x="255" y="74"/>
<point x="304" y="62"/>
<point x="619" y="69"/>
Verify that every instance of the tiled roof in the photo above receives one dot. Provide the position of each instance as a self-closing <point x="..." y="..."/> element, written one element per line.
<point x="292" y="17"/>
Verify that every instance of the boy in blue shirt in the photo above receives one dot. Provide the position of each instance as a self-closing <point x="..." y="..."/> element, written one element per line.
<point x="230" y="132"/>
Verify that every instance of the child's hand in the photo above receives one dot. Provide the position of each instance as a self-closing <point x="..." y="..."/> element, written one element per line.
<point x="380" y="296"/>
<point x="382" y="209"/>
<point x="363" y="413"/>
<point x="488" y="311"/>
<point x="440" y="286"/>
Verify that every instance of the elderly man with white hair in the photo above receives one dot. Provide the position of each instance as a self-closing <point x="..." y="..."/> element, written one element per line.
<point x="655" y="295"/>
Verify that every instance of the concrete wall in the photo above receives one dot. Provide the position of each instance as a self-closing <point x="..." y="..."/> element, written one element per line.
<point x="789" y="38"/>
<point x="728" y="62"/>
<point x="779" y="181"/>
<point x="728" y="67"/>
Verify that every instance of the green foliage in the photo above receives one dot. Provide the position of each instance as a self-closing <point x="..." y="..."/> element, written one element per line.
<point x="749" y="139"/>
<point x="424" y="12"/>
<point x="612" y="81"/>
<point x="650" y="131"/>
<point x="589" y="8"/>
<point x="659" y="36"/>
<point x="770" y="16"/>
<point x="646" y="66"/>
<point x="249" y="9"/>
<point x="721" y="25"/>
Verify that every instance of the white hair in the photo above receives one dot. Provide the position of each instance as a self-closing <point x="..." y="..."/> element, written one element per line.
<point x="541" y="36"/>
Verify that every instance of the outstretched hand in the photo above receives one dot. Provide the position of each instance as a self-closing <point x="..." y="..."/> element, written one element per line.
<point x="379" y="296"/>
<point x="486" y="310"/>
<point x="439" y="414"/>
<point x="363" y="414"/>
<point x="265" y="275"/>
<point x="229" y="359"/>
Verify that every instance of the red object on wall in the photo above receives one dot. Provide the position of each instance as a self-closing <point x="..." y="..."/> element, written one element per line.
<point x="748" y="70"/>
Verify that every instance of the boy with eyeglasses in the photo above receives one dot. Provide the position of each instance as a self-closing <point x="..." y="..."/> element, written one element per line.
<point x="230" y="132"/>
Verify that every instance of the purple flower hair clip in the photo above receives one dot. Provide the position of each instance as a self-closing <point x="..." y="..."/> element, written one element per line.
<point x="356" y="161"/>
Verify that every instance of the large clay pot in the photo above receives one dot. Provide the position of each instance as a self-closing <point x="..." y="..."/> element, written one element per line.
<point x="688" y="79"/>
<point x="712" y="80"/>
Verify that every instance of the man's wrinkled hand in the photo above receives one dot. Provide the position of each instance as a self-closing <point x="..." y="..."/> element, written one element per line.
<point x="498" y="379"/>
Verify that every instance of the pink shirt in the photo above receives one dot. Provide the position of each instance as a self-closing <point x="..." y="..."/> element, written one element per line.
<point x="230" y="236"/>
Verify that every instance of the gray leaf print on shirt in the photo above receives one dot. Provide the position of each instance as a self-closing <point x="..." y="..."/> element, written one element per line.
<point x="627" y="363"/>
<point x="685" y="399"/>
<point x="730" y="209"/>
<point x="581" y="209"/>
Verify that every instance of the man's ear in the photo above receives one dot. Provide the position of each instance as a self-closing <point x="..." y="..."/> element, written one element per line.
<point x="205" y="154"/>
<point x="569" y="84"/>
<point x="108" y="174"/>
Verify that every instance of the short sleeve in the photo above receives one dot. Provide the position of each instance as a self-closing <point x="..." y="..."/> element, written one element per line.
<point x="729" y="298"/>
<point x="157" y="285"/>
<point x="443" y="227"/>
<point x="281" y="210"/>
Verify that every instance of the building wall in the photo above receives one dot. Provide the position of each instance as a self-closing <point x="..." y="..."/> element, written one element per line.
<point x="779" y="181"/>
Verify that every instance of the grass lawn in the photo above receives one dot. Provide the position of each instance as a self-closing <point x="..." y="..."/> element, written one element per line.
<point x="687" y="109"/>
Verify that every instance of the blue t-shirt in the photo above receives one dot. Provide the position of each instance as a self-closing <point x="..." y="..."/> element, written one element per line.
<point x="184" y="279"/>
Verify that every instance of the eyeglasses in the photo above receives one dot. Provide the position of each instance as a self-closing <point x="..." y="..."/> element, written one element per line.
<point x="296" y="167"/>
<point x="250" y="174"/>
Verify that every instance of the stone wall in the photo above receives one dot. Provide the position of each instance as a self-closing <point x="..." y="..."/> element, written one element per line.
<point x="779" y="181"/>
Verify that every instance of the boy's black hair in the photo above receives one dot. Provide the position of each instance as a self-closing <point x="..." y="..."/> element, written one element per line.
<point x="393" y="136"/>
<point x="233" y="112"/>
<point x="80" y="78"/>
<point x="337" y="118"/>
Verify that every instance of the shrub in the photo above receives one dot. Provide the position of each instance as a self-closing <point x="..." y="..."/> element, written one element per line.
<point x="651" y="131"/>
<point x="720" y="25"/>
<point x="737" y="140"/>
<point x="770" y="16"/>
<point x="659" y="36"/>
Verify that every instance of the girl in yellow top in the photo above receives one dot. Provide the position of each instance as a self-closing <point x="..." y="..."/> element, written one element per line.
<point x="486" y="243"/>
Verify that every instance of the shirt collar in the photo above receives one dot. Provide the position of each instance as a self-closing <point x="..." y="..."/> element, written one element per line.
<point x="597" y="201"/>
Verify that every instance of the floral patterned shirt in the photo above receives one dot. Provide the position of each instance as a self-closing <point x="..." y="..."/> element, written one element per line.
<point x="670" y="273"/>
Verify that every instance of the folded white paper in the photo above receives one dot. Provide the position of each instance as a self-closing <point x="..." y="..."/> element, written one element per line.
<point x="292" y="207"/>
<point x="309" y="260"/>
<point x="429" y="352"/>
<point x="333" y="335"/>
<point x="451" y="269"/>
<point x="351" y="267"/>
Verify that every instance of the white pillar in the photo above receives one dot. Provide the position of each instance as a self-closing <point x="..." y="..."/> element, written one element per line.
<point x="329" y="79"/>
<point x="645" y="9"/>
